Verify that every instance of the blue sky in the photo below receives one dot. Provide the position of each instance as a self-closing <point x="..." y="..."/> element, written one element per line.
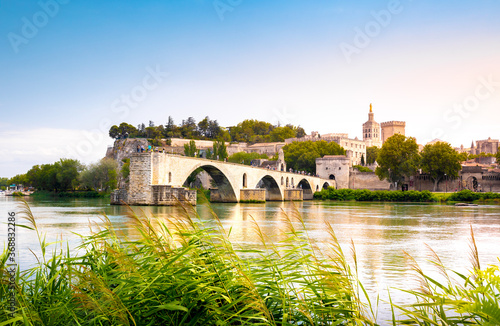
<point x="70" y="69"/>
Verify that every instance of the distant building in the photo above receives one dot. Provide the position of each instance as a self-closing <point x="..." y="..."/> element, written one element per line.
<point x="390" y="128"/>
<point x="488" y="146"/>
<point x="371" y="131"/>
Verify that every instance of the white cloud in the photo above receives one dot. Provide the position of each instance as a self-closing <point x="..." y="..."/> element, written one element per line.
<point x="20" y="149"/>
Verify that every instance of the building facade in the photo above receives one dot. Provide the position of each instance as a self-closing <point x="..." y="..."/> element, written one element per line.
<point x="488" y="146"/>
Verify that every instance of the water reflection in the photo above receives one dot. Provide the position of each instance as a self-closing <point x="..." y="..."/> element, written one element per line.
<point x="380" y="231"/>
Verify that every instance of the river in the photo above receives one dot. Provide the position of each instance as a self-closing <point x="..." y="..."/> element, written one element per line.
<point x="380" y="232"/>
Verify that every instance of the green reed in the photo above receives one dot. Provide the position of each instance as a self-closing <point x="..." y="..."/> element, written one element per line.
<point x="181" y="271"/>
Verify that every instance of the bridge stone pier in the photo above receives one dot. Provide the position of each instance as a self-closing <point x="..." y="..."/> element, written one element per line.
<point x="156" y="178"/>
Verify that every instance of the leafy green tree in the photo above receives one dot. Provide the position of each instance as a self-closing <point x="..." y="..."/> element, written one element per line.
<point x="123" y="131"/>
<point x="20" y="179"/>
<point x="371" y="154"/>
<point x="101" y="176"/>
<point x="398" y="159"/>
<point x="4" y="183"/>
<point x="279" y="134"/>
<point x="190" y="149"/>
<point x="498" y="157"/>
<point x="188" y="129"/>
<point x="245" y="158"/>
<point x="301" y="156"/>
<point x="67" y="171"/>
<point x="363" y="159"/>
<point x="219" y="150"/>
<point x="440" y="160"/>
<point x="463" y="156"/>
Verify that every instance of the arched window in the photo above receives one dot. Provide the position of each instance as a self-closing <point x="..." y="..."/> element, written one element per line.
<point x="244" y="180"/>
<point x="169" y="177"/>
<point x="282" y="180"/>
<point x="287" y="182"/>
<point x="331" y="177"/>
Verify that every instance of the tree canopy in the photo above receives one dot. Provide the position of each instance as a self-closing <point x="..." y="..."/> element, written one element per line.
<point x="245" y="158"/>
<point x="101" y="176"/>
<point x="301" y="156"/>
<point x="252" y="131"/>
<point x="440" y="160"/>
<point x="371" y="154"/>
<point x="398" y="159"/>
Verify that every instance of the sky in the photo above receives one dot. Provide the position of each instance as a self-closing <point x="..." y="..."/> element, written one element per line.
<point x="70" y="69"/>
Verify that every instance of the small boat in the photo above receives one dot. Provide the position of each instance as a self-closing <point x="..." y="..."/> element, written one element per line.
<point x="465" y="204"/>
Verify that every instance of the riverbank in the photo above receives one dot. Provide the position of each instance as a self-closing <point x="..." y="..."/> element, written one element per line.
<point x="69" y="194"/>
<point x="405" y="196"/>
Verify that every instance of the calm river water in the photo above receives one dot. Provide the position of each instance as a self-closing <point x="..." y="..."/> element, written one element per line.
<point x="380" y="231"/>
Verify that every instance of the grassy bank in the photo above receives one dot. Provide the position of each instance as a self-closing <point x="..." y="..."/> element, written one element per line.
<point x="405" y="196"/>
<point x="180" y="272"/>
<point x="69" y="194"/>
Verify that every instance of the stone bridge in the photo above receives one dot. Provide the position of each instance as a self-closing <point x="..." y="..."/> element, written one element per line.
<point x="155" y="178"/>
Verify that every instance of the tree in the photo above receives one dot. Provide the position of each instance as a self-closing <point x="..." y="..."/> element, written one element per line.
<point x="245" y="158"/>
<point x="301" y="156"/>
<point x="101" y="176"/>
<point x="371" y="154"/>
<point x="279" y="134"/>
<point x="123" y="131"/>
<point x="398" y="158"/>
<point x="4" y="183"/>
<point x="498" y="157"/>
<point x="67" y="171"/>
<point x="190" y="149"/>
<point x="219" y="150"/>
<point x="362" y="159"/>
<point x="440" y="160"/>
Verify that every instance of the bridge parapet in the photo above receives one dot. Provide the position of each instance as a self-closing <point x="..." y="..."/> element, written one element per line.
<point x="150" y="170"/>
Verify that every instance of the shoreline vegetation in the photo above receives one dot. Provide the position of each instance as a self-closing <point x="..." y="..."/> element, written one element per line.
<point x="425" y="196"/>
<point x="41" y="194"/>
<point x="180" y="271"/>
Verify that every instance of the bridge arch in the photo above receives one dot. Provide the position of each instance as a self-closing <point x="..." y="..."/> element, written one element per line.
<point x="225" y="189"/>
<point x="306" y="189"/>
<point x="273" y="190"/>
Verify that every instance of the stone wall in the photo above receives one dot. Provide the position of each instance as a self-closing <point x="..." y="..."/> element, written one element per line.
<point x="334" y="167"/>
<point x="367" y="180"/>
<point x="169" y="196"/>
<point x="252" y="195"/>
<point x="294" y="194"/>
<point x="140" y="179"/>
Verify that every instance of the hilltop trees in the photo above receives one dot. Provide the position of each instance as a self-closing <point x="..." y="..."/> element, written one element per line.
<point x="440" y="160"/>
<point x="398" y="158"/>
<point x="252" y="131"/>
